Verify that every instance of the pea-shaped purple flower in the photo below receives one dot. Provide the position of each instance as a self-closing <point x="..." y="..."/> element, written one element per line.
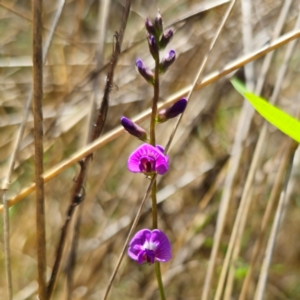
<point x="150" y="246"/>
<point x="148" y="159"/>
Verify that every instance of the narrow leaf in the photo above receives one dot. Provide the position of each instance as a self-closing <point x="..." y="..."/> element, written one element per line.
<point x="281" y="120"/>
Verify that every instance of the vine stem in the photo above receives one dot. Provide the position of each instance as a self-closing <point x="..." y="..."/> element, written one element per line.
<point x="154" y="103"/>
<point x="153" y="190"/>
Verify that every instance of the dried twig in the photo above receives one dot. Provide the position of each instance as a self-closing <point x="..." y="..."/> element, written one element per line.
<point x="6" y="181"/>
<point x="78" y="191"/>
<point x="38" y="144"/>
<point x="103" y="16"/>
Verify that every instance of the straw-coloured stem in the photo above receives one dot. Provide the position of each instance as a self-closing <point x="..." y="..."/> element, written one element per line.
<point x="38" y="144"/>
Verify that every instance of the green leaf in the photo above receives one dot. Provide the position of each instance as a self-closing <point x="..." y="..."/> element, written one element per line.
<point x="281" y="120"/>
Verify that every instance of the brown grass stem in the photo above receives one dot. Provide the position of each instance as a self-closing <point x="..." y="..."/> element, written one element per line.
<point x="262" y="137"/>
<point x="259" y="293"/>
<point x="7" y="178"/>
<point x="132" y="228"/>
<point x="281" y="75"/>
<point x="201" y="69"/>
<point x="78" y="193"/>
<point x="266" y="218"/>
<point x="37" y="57"/>
<point x="6" y="238"/>
<point x="241" y="135"/>
<point x="118" y="131"/>
<point x="103" y="14"/>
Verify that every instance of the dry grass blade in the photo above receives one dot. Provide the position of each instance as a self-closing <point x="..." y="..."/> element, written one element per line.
<point x="6" y="238"/>
<point x="78" y="193"/>
<point x="259" y="293"/>
<point x="201" y="69"/>
<point x="118" y="131"/>
<point x="262" y="137"/>
<point x="258" y="152"/>
<point x="6" y="181"/>
<point x="102" y="22"/>
<point x="244" y="126"/>
<point x="258" y="244"/>
<point x="38" y="145"/>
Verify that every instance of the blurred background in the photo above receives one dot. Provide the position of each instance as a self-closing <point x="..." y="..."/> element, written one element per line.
<point x="190" y="193"/>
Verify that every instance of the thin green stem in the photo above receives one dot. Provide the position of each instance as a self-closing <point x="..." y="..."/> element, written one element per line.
<point x="154" y="206"/>
<point x="159" y="281"/>
<point x="154" y="223"/>
<point x="154" y="102"/>
<point x="153" y="190"/>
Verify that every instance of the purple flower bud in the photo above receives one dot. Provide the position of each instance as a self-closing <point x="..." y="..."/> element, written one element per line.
<point x="167" y="61"/>
<point x="172" y="112"/>
<point x="158" y="24"/>
<point x="134" y="129"/>
<point x="150" y="246"/>
<point x="166" y="37"/>
<point x="153" y="47"/>
<point x="150" y="27"/>
<point x="144" y="71"/>
<point x="148" y="159"/>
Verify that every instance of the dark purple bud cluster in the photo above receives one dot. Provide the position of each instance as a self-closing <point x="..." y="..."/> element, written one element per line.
<point x="156" y="30"/>
<point x="173" y="111"/>
<point x="157" y="39"/>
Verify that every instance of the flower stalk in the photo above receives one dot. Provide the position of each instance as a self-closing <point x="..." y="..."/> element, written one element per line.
<point x="154" y="102"/>
<point x="153" y="142"/>
<point x="153" y="246"/>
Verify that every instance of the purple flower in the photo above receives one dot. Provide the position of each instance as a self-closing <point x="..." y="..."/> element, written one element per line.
<point x="150" y="246"/>
<point x="144" y="71"/>
<point x="166" y="37"/>
<point x="167" y="61"/>
<point x="150" y="27"/>
<point x="134" y="129"/>
<point x="173" y="111"/>
<point x="153" y="47"/>
<point x="158" y="23"/>
<point x="148" y="159"/>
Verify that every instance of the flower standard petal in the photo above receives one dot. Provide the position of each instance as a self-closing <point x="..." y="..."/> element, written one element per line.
<point x="163" y="250"/>
<point x="150" y="246"/>
<point x="148" y="159"/>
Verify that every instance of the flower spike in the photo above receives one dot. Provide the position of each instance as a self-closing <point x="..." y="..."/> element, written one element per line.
<point x="172" y="112"/>
<point x="150" y="246"/>
<point x="134" y="129"/>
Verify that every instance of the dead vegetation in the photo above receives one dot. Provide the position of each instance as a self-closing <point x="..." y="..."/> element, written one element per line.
<point x="211" y="156"/>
